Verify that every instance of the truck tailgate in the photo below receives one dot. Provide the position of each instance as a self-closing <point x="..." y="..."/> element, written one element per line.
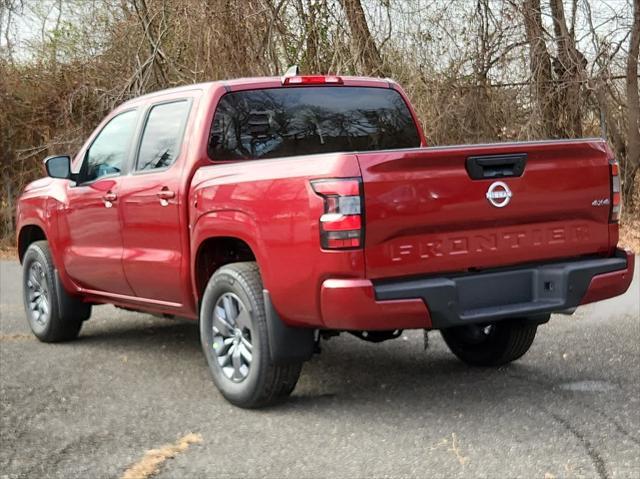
<point x="424" y="213"/>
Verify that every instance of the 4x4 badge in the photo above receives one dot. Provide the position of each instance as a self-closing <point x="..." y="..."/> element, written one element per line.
<point x="499" y="194"/>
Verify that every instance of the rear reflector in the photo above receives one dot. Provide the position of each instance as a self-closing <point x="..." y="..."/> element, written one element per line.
<point x="335" y="241"/>
<point x="338" y="222"/>
<point x="312" y="80"/>
<point x="341" y="224"/>
<point x="616" y="200"/>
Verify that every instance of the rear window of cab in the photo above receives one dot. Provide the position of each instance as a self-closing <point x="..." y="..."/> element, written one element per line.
<point x="281" y="122"/>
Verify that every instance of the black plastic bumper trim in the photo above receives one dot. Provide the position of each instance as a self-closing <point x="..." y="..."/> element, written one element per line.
<point x="533" y="290"/>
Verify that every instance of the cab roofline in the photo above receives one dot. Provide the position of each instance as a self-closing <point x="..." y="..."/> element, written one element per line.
<point x="259" y="82"/>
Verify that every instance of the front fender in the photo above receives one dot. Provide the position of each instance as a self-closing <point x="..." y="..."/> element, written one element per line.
<point x="40" y="206"/>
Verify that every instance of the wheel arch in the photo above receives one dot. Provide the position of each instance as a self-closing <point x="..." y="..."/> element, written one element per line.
<point x="214" y="252"/>
<point x="27" y="235"/>
<point x="221" y="237"/>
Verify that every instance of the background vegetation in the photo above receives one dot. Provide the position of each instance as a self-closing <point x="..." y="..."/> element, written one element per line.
<point x="476" y="70"/>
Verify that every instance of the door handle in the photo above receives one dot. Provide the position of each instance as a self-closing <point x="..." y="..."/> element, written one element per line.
<point x="109" y="198"/>
<point x="165" y="194"/>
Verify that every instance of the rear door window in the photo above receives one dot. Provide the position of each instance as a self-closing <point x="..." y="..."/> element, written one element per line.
<point x="280" y="122"/>
<point x="162" y="135"/>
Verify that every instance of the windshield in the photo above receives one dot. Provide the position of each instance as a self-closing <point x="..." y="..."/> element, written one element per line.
<point x="280" y="122"/>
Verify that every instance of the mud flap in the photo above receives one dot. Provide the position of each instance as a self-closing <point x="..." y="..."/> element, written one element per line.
<point x="287" y="344"/>
<point x="68" y="306"/>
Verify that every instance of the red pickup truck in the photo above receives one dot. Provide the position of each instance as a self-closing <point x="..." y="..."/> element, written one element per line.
<point x="280" y="210"/>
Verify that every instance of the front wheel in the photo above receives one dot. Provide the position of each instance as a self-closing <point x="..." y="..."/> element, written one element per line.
<point x="53" y="314"/>
<point x="233" y="333"/>
<point x="492" y="344"/>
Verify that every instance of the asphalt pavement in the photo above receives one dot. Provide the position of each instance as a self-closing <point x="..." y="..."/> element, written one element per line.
<point x="132" y="382"/>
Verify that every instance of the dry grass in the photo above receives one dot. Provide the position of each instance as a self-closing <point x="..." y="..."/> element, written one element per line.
<point x="7" y="246"/>
<point x="8" y="252"/>
<point x="153" y="459"/>
<point x="630" y="231"/>
<point x="453" y="446"/>
<point x="630" y="224"/>
<point x="16" y="337"/>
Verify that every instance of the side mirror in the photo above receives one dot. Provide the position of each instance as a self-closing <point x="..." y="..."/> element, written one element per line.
<point x="58" y="167"/>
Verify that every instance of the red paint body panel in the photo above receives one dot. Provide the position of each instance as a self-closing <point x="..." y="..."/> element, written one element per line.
<point x="422" y="215"/>
<point x="155" y="234"/>
<point x="273" y="208"/>
<point x="350" y="304"/>
<point x="93" y="255"/>
<point x="608" y="285"/>
<point x="152" y="239"/>
<point x="426" y="215"/>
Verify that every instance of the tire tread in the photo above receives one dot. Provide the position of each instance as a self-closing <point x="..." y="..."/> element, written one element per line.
<point x="514" y="341"/>
<point x="67" y="313"/>
<point x="276" y="381"/>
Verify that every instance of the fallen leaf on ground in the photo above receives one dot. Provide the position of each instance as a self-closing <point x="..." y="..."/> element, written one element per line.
<point x="154" y="458"/>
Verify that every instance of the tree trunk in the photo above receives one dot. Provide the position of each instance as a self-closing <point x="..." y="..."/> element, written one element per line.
<point x="633" y="107"/>
<point x="366" y="51"/>
<point x="314" y="17"/>
<point x="540" y="66"/>
<point x="569" y="67"/>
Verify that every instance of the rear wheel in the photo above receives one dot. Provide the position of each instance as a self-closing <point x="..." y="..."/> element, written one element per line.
<point x="233" y="333"/>
<point x="53" y="314"/>
<point x="492" y="344"/>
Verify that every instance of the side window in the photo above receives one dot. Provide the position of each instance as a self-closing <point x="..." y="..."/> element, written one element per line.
<point x="108" y="152"/>
<point x="162" y="135"/>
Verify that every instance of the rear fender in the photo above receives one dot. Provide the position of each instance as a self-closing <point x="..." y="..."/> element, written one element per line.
<point x="287" y="344"/>
<point x="232" y="224"/>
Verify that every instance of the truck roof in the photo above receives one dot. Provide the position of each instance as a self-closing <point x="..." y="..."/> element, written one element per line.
<point x="259" y="82"/>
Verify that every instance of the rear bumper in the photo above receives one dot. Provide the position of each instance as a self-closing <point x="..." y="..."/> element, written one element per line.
<point x="454" y="300"/>
<point x="350" y="304"/>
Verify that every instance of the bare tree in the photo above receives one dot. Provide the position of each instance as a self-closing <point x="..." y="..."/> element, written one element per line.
<point x="633" y="102"/>
<point x="364" y="45"/>
<point x="569" y="66"/>
<point x="476" y="70"/>
<point x="8" y="9"/>
<point x="540" y="67"/>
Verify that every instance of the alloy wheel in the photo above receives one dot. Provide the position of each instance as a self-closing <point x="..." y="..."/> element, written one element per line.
<point x="232" y="337"/>
<point x="38" y="295"/>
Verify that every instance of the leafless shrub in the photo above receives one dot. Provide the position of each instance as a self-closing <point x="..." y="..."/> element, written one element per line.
<point x="481" y="70"/>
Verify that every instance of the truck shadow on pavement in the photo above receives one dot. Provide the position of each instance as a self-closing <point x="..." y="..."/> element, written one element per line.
<point x="109" y="333"/>
<point x="397" y="377"/>
<point x="395" y="373"/>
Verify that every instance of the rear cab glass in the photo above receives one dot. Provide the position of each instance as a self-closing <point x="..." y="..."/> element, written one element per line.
<point x="281" y="122"/>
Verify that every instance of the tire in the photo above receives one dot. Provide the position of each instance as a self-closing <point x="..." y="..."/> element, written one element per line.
<point x="234" y="337"/>
<point x="53" y="314"/>
<point x="492" y="344"/>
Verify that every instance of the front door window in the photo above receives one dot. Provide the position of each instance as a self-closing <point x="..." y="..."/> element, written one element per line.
<point x="109" y="151"/>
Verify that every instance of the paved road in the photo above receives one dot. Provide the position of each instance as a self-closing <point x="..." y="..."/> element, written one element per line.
<point x="570" y="408"/>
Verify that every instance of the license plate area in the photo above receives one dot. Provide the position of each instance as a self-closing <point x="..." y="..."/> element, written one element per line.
<point x="494" y="289"/>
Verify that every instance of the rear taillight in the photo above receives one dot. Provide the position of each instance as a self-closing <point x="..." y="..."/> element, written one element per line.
<point x="341" y="225"/>
<point x="616" y="200"/>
